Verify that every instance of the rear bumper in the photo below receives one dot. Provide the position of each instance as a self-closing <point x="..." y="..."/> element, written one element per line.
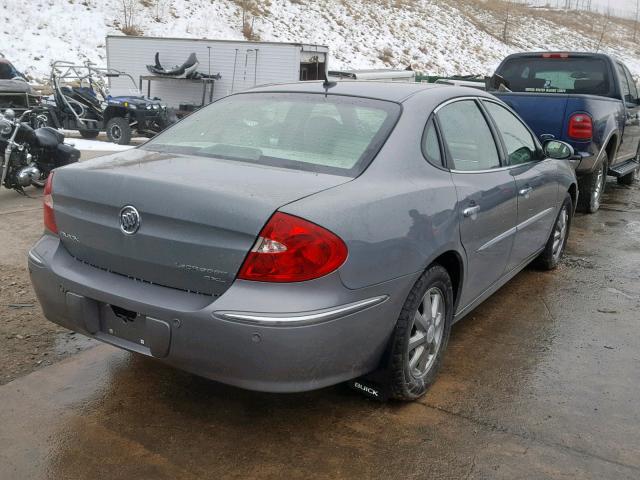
<point x="305" y="336"/>
<point x="584" y="162"/>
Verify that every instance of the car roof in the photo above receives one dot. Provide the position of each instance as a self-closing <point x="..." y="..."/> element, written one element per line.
<point x="390" y="91"/>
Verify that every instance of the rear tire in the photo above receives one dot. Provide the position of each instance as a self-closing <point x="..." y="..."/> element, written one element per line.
<point x="591" y="187"/>
<point x="553" y="251"/>
<point x="421" y="335"/>
<point x="118" y="131"/>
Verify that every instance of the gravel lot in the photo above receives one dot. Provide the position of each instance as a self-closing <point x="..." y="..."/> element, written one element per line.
<point x="541" y="381"/>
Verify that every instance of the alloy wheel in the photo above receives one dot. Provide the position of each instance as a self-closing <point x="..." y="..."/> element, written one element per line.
<point x="116" y="133"/>
<point x="597" y="191"/>
<point x="426" y="333"/>
<point x="560" y="233"/>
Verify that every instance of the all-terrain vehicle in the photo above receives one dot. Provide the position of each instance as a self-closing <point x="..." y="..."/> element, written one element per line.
<point x="81" y="101"/>
<point x="15" y="91"/>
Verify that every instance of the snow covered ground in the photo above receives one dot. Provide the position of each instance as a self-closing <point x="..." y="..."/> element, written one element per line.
<point x="96" y="145"/>
<point x="438" y="37"/>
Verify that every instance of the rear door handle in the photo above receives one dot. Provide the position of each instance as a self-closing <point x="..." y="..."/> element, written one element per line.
<point x="471" y="212"/>
<point x="524" y="192"/>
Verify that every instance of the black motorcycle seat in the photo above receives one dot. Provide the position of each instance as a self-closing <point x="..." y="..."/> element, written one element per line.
<point x="48" y="137"/>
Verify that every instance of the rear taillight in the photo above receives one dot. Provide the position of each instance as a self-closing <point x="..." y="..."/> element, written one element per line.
<point x="580" y="127"/>
<point x="555" y="55"/>
<point x="49" y="217"/>
<point x="290" y="249"/>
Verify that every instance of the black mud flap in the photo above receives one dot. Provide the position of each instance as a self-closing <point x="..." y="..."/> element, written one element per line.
<point x="373" y="385"/>
<point x="369" y="389"/>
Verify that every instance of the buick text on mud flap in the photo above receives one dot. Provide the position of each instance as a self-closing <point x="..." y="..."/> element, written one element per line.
<point x="369" y="390"/>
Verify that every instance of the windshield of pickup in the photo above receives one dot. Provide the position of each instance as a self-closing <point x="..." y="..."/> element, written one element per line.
<point x="557" y="75"/>
<point x="314" y="132"/>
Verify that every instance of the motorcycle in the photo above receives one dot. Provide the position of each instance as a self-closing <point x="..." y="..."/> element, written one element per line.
<point x="30" y="154"/>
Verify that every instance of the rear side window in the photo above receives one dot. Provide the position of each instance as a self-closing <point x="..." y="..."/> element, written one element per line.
<point x="624" y="84"/>
<point x="633" y="89"/>
<point x="521" y="148"/>
<point x="330" y="134"/>
<point x="557" y="75"/>
<point x="431" y="145"/>
<point x="468" y="137"/>
<point x="629" y="89"/>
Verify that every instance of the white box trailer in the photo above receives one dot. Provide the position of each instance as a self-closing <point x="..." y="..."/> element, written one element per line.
<point x="380" y="75"/>
<point x="241" y="65"/>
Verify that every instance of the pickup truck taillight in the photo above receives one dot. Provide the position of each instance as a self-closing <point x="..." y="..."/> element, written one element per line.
<point x="49" y="217"/>
<point x="580" y="127"/>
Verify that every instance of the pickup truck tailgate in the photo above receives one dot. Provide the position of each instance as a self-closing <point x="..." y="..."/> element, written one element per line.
<point x="544" y="113"/>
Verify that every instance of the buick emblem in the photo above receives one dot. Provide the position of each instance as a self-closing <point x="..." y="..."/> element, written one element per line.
<point x="129" y="220"/>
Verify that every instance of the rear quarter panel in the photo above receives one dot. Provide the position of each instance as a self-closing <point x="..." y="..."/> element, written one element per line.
<point x="608" y="119"/>
<point x="398" y="215"/>
<point x="550" y="113"/>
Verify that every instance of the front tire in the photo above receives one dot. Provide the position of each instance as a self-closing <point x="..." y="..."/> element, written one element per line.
<point x="421" y="335"/>
<point x="591" y="188"/>
<point x="554" y="249"/>
<point x="119" y="131"/>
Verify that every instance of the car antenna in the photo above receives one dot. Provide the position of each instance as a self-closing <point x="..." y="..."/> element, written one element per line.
<point x="327" y="85"/>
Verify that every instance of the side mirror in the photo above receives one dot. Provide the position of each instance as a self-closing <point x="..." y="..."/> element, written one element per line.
<point x="558" y="150"/>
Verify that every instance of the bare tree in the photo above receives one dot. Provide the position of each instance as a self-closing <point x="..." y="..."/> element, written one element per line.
<point x="248" y="9"/>
<point x="505" y="28"/>
<point x="128" y="14"/>
<point x="607" y="18"/>
<point x="635" y="24"/>
<point x="159" y="9"/>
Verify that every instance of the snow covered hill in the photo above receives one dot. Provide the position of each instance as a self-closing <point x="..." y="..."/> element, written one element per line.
<point x="438" y="37"/>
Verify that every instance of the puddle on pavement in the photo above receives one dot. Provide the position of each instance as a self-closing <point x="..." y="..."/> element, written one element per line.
<point x="633" y="229"/>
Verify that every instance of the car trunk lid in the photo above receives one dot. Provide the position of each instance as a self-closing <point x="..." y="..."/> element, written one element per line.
<point x="198" y="216"/>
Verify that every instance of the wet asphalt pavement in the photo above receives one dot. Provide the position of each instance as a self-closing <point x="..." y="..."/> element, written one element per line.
<point x="541" y="381"/>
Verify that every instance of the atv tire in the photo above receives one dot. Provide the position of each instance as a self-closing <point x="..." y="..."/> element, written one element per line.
<point x="118" y="131"/>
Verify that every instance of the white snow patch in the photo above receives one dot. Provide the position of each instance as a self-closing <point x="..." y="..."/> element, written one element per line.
<point x="96" y="145"/>
<point x="430" y="35"/>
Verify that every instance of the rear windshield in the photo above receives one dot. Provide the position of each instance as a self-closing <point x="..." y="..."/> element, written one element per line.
<point x="329" y="134"/>
<point x="557" y="75"/>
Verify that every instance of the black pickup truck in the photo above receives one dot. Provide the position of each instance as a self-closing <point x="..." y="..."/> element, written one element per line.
<point x="588" y="100"/>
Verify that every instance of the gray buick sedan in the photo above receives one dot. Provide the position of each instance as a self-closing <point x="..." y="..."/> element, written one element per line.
<point x="296" y="236"/>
